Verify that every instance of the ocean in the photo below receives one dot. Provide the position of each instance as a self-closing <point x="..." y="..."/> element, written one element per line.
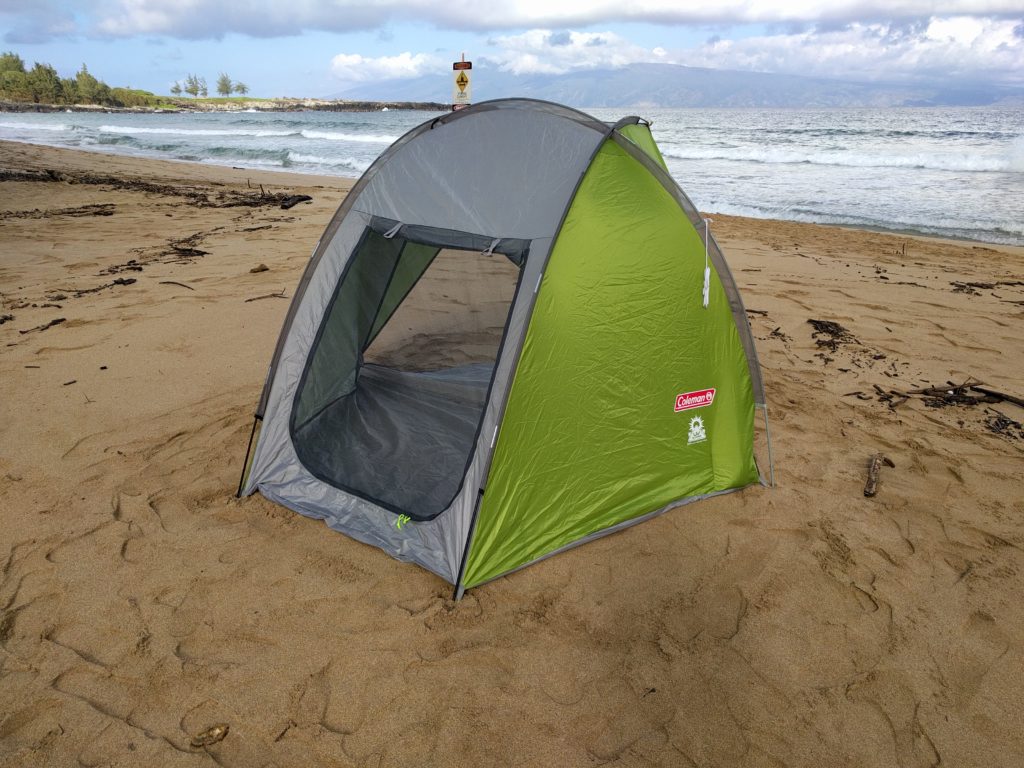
<point x="951" y="172"/>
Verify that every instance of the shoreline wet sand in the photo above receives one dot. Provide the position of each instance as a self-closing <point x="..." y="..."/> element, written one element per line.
<point x="141" y="604"/>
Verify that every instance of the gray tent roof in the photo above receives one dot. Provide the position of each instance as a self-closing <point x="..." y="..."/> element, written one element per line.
<point x="480" y="190"/>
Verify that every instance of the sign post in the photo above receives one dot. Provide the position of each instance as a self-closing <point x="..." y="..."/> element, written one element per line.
<point x="462" y="95"/>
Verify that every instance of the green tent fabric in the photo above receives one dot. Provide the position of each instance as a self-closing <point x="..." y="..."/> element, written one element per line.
<point x="590" y="437"/>
<point x="491" y="360"/>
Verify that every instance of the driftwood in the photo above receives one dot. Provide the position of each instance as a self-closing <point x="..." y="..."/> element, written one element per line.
<point x="871" y="487"/>
<point x="971" y="392"/>
<point x="44" y="326"/>
<point x="293" y="200"/>
<point x="278" y="295"/>
<point x="117" y="281"/>
<point x="1001" y="395"/>
<point x="175" y="282"/>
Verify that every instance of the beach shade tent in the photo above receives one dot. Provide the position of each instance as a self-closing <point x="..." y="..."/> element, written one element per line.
<point x="514" y="336"/>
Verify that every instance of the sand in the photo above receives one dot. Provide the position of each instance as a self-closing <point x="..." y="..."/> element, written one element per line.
<point x="141" y="603"/>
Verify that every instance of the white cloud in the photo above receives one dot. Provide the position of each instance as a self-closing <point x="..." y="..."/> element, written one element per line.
<point x="541" y="51"/>
<point x="269" y="18"/>
<point x="352" y="67"/>
<point x="951" y="49"/>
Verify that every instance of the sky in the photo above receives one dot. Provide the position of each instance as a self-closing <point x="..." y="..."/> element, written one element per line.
<point x="322" y="47"/>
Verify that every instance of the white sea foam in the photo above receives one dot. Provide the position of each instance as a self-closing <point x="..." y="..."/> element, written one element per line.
<point x="35" y="126"/>
<point x="316" y="160"/>
<point x="940" y="161"/>
<point x="369" y="138"/>
<point x="135" y="130"/>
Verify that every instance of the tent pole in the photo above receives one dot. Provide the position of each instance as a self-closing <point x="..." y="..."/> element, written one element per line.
<point x="248" y="450"/>
<point x="768" y="437"/>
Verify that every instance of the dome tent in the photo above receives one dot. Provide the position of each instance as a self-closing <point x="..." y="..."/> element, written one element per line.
<point x="514" y="336"/>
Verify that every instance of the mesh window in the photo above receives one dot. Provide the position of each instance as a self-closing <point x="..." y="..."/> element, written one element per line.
<point x="394" y="390"/>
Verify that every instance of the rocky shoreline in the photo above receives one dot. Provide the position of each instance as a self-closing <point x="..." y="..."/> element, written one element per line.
<point x="258" y="105"/>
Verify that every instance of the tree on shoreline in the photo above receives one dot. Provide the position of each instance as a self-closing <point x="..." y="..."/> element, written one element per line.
<point x="44" y="85"/>
<point x="224" y="85"/>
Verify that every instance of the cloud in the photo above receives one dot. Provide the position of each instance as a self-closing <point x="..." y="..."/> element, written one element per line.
<point x="352" y="67"/>
<point x="205" y="19"/>
<point x="35" y="21"/>
<point x="955" y="48"/>
<point x="540" y="51"/>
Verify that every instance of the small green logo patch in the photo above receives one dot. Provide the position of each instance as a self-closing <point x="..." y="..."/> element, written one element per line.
<point x="402" y="520"/>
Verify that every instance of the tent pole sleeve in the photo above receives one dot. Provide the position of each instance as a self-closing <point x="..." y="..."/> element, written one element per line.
<point x="248" y="451"/>
<point x="768" y="438"/>
<point x="532" y="299"/>
<point x="460" y="590"/>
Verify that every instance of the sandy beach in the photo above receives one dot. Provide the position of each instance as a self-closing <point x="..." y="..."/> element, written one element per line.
<point x="141" y="603"/>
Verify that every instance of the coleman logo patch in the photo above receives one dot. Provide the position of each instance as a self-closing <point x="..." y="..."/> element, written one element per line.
<point x="698" y="399"/>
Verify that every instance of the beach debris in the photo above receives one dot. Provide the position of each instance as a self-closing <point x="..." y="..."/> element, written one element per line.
<point x="80" y="292"/>
<point x="132" y="265"/>
<point x="975" y="288"/>
<point x="201" y="196"/>
<point x="9" y="174"/>
<point x="1001" y="395"/>
<point x="45" y="326"/>
<point x="834" y="334"/>
<point x="94" y="209"/>
<point x="970" y="392"/>
<point x="256" y="229"/>
<point x="1002" y="425"/>
<point x="874" y="467"/>
<point x="259" y="268"/>
<point x="187" y="251"/>
<point x="69" y="383"/>
<point x="279" y="295"/>
<point x="211" y="735"/>
<point x="293" y="200"/>
<point x="175" y="282"/>
<point x="5" y="318"/>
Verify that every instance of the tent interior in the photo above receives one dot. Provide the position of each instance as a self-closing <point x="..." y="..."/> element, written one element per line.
<point x="393" y="393"/>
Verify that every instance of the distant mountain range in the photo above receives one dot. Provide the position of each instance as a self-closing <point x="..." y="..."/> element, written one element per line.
<point x="671" y="85"/>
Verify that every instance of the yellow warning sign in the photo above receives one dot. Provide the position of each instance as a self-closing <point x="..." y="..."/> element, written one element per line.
<point x="461" y="90"/>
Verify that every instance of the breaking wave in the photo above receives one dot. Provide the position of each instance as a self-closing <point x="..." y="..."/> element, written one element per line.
<point x="137" y="130"/>
<point x="369" y="138"/>
<point x="317" y="161"/>
<point x="954" y="161"/>
<point x="36" y="126"/>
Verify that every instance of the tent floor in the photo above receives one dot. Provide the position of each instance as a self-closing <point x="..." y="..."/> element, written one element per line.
<point x="400" y="438"/>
